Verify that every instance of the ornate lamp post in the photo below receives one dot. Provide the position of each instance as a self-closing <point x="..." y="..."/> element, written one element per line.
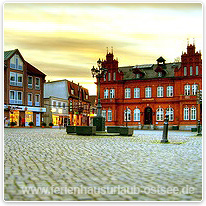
<point x="99" y="72"/>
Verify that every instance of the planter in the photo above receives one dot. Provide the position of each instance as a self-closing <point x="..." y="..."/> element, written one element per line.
<point x="42" y="126"/>
<point x="31" y="126"/>
<point x="175" y="127"/>
<point x="113" y="129"/>
<point x="12" y="126"/>
<point x="193" y="129"/>
<point x="71" y="129"/>
<point x="86" y="130"/>
<point x="50" y="126"/>
<point x="125" y="131"/>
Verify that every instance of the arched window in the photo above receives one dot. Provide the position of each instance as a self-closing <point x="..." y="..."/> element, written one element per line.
<point x="193" y="113"/>
<point x="137" y="114"/>
<point x="186" y="113"/>
<point x="127" y="115"/>
<point x="194" y="89"/>
<point x="160" y="114"/>
<point x="106" y="95"/>
<point x="109" y="115"/>
<point x="187" y="89"/>
<point x="170" y="112"/>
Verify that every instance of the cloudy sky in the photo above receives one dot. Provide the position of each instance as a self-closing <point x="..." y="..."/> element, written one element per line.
<point x="65" y="40"/>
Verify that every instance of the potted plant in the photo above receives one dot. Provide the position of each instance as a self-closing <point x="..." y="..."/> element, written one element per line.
<point x="43" y="124"/>
<point x="51" y="124"/>
<point x="13" y="124"/>
<point x="31" y="124"/>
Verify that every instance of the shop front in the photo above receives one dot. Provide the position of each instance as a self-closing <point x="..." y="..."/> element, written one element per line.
<point x="60" y="119"/>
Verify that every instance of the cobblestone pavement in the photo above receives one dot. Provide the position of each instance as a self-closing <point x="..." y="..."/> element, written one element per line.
<point x="50" y="158"/>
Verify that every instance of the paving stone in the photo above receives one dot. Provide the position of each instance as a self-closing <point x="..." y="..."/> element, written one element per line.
<point x="45" y="158"/>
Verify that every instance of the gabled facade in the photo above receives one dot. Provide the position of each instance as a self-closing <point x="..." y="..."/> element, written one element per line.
<point x="139" y="96"/>
<point x="76" y="110"/>
<point x="23" y="90"/>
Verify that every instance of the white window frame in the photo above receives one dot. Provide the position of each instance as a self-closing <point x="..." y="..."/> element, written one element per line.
<point x="185" y="71"/>
<point x="12" y="100"/>
<point x="186" y="113"/>
<point x="194" y="89"/>
<point x="170" y="112"/>
<point x="30" y="85"/>
<point x="127" y="93"/>
<point x="112" y="93"/>
<point x="170" y="91"/>
<point x="37" y="103"/>
<point x="29" y="102"/>
<point x="160" y="114"/>
<point x="16" y="62"/>
<point x="128" y="113"/>
<point x="104" y="114"/>
<point x="193" y="113"/>
<point x="14" y="82"/>
<point x="16" y="99"/>
<point x="109" y="115"/>
<point x="19" y="84"/>
<point x="106" y="94"/>
<point x="160" y="91"/>
<point x="148" y="92"/>
<point x="187" y="90"/>
<point x="136" y="92"/>
<point x="19" y="101"/>
<point x="37" y="86"/>
<point x="137" y="114"/>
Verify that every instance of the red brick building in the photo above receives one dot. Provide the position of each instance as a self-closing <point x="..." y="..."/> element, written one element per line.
<point x="139" y="96"/>
<point x="23" y="90"/>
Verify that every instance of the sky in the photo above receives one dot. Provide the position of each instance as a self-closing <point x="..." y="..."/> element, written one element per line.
<point x="65" y="40"/>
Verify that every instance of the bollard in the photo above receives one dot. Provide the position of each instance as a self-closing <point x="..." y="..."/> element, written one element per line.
<point x="198" y="128"/>
<point x="165" y="130"/>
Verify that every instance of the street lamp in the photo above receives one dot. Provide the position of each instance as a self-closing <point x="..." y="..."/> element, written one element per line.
<point x="99" y="72"/>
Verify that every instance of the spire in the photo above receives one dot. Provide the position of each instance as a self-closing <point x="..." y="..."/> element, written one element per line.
<point x="112" y="49"/>
<point x="107" y="50"/>
<point x="193" y="41"/>
<point x="188" y="42"/>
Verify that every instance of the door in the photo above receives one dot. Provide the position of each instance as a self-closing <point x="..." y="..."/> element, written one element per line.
<point x="148" y="115"/>
<point x="37" y="120"/>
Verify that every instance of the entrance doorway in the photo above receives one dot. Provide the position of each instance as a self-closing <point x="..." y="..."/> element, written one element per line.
<point x="148" y="115"/>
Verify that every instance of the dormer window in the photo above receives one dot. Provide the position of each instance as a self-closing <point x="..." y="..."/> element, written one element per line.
<point x="72" y="91"/>
<point x="137" y="76"/>
<point x="159" y="74"/>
